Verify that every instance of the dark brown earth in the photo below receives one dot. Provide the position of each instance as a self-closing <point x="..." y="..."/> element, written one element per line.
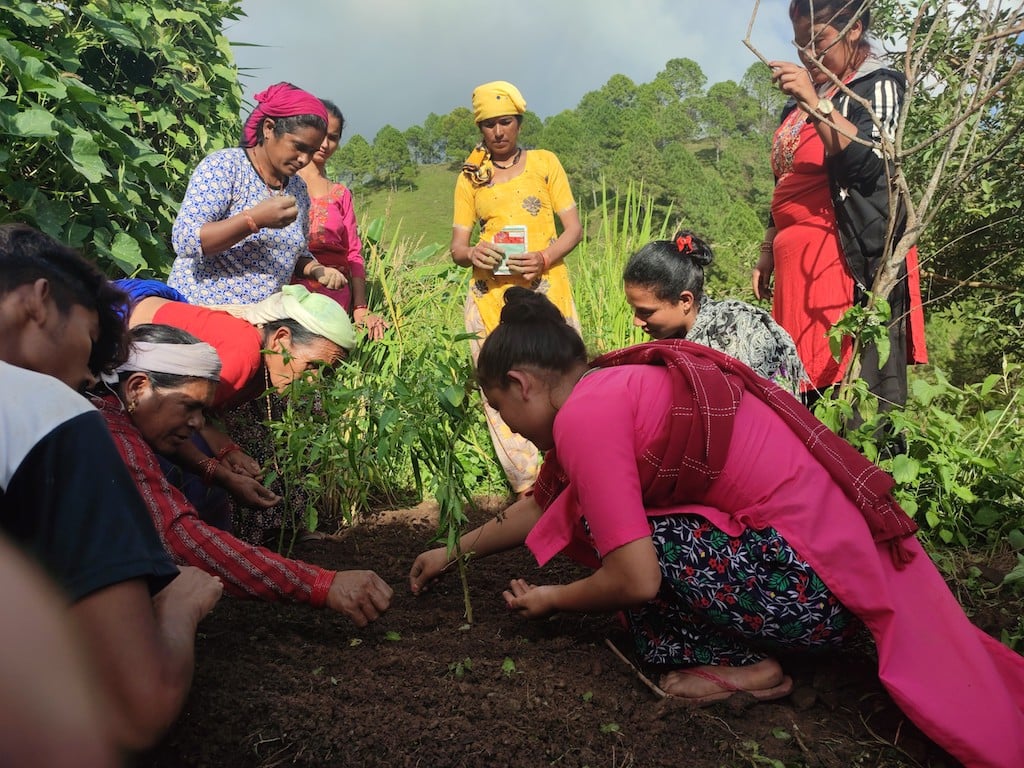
<point x="284" y="685"/>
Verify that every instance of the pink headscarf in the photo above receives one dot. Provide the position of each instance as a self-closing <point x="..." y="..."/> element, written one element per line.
<point x="280" y="100"/>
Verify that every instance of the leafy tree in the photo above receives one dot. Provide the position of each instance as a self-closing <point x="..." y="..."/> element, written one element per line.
<point x="458" y="134"/>
<point x="684" y="77"/>
<point x="757" y="82"/>
<point x="391" y="159"/>
<point x="353" y="163"/>
<point x="105" y="108"/>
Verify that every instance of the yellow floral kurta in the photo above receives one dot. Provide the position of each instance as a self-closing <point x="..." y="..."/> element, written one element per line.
<point x="532" y="199"/>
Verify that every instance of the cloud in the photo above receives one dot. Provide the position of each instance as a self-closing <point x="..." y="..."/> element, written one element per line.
<point x="396" y="61"/>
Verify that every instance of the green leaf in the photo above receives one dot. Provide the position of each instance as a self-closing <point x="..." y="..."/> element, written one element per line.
<point x="126" y="253"/>
<point x="34" y="123"/>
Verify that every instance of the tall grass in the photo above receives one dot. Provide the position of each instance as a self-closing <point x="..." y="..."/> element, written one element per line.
<point x="613" y="232"/>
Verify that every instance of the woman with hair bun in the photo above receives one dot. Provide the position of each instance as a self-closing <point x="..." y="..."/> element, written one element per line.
<point x="730" y="526"/>
<point x="664" y="284"/>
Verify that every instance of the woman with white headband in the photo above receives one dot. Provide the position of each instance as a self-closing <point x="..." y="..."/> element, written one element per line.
<point x="154" y="407"/>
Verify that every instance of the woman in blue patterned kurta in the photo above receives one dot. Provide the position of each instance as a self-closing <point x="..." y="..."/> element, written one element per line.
<point x="240" y="233"/>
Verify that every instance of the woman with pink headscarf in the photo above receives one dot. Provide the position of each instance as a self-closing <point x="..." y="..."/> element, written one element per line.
<point x="241" y="231"/>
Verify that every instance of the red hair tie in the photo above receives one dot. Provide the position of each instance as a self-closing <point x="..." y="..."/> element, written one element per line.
<point x="684" y="244"/>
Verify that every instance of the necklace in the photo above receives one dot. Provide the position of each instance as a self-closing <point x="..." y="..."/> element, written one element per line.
<point x="515" y="159"/>
<point x="272" y="191"/>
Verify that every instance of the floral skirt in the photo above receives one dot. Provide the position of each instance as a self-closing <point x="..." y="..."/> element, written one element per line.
<point x="732" y="601"/>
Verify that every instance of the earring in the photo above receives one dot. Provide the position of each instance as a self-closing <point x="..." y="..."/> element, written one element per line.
<point x="131" y="406"/>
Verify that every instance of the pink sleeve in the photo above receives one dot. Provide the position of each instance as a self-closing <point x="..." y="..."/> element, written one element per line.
<point x="350" y="236"/>
<point x="596" y="437"/>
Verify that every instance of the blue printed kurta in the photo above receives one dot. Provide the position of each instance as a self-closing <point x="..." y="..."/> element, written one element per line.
<point x="225" y="184"/>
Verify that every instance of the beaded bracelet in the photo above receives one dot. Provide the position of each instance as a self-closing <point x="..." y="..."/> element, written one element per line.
<point x="207" y="469"/>
<point x="229" y="448"/>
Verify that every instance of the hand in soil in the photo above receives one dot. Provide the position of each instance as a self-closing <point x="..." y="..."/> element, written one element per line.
<point x="426" y="568"/>
<point x="190" y="596"/>
<point x="248" y="491"/>
<point x="361" y="595"/>
<point x="528" y="600"/>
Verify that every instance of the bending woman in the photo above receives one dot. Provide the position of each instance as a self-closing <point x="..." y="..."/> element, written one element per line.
<point x="655" y="474"/>
<point x="156" y="405"/>
<point x="240" y="233"/>
<point x="830" y="208"/>
<point x="514" y="194"/>
<point x="300" y="331"/>
<point x="664" y="284"/>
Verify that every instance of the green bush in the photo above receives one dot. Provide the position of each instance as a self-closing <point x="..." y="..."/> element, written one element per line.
<point x="105" y="108"/>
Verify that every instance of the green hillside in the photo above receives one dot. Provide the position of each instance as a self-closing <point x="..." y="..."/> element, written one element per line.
<point x="422" y="213"/>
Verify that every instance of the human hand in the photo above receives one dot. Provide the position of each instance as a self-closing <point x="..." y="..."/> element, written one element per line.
<point x="485" y="255"/>
<point x="530" y="264"/>
<point x="529" y="601"/>
<point x="793" y="80"/>
<point x="427" y="568"/>
<point x="275" y="212"/>
<point x="361" y="595"/>
<point x="762" y="274"/>
<point x="375" y="325"/>
<point x="242" y="463"/>
<point x="191" y="594"/>
<point x="248" y="491"/>
<point x="329" y="277"/>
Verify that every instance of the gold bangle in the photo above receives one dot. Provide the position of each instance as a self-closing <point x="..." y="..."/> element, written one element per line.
<point x="251" y="222"/>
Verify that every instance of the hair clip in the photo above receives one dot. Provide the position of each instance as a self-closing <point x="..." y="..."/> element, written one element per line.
<point x="685" y="244"/>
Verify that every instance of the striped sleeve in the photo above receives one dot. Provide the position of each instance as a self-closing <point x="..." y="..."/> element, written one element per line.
<point x="248" y="571"/>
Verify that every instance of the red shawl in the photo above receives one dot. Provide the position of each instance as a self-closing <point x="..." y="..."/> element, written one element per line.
<point x="707" y="387"/>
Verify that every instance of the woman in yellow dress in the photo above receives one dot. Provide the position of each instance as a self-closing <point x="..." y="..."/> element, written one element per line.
<point x="514" y="194"/>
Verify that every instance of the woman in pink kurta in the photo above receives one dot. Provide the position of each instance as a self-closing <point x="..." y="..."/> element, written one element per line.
<point x="728" y="524"/>
<point x="333" y="236"/>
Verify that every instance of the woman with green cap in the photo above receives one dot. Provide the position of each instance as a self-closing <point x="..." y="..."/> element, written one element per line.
<point x="514" y="194"/>
<point x="262" y="346"/>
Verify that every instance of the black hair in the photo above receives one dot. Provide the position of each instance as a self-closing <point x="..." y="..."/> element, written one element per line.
<point x="290" y="124"/>
<point x="518" y="117"/>
<point x="162" y="334"/>
<point x="334" y="111"/>
<point x="301" y="335"/>
<point x="532" y="334"/>
<point x="27" y="255"/>
<point x="669" y="267"/>
<point x="836" y="13"/>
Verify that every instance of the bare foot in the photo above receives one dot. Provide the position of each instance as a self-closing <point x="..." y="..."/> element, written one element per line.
<point x="709" y="683"/>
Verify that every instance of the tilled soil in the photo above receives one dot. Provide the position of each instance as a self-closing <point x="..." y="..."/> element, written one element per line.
<point x="285" y="685"/>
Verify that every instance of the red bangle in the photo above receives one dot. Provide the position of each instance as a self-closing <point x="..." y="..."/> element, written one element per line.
<point x="207" y="469"/>
<point x="229" y="448"/>
<point x="251" y="222"/>
<point x="359" y="306"/>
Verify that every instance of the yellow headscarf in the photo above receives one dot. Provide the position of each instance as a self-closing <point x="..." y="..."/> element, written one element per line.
<point x="496" y="99"/>
<point x="493" y="99"/>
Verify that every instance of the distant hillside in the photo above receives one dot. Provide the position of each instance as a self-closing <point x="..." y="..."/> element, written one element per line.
<point x="425" y="211"/>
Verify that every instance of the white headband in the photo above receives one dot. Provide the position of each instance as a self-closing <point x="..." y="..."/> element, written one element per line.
<point x="195" y="360"/>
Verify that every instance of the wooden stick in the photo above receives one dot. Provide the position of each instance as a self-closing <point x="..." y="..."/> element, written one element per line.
<point x="643" y="678"/>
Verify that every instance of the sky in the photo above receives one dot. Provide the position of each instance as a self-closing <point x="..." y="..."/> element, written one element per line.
<point x="393" y="62"/>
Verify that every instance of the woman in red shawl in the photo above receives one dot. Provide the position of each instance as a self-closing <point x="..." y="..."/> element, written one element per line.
<point x="728" y="524"/>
